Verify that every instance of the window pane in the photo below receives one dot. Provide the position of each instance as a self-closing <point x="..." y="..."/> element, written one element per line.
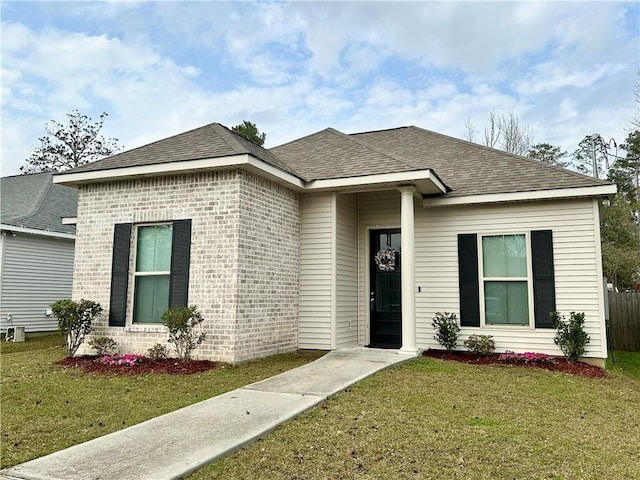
<point x="506" y="303"/>
<point x="504" y="256"/>
<point x="151" y="298"/>
<point x="153" y="253"/>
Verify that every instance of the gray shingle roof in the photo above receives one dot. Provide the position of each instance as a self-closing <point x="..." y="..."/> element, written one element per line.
<point x="33" y="201"/>
<point x="210" y="141"/>
<point x="465" y="168"/>
<point x="332" y="154"/>
<point x="472" y="169"/>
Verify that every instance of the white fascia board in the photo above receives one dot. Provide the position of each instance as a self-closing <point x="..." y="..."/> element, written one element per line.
<point x="601" y="190"/>
<point x="243" y="161"/>
<point x="399" y="178"/>
<point x="150" y="170"/>
<point x="69" y="220"/>
<point x="276" y="173"/>
<point x="33" y="231"/>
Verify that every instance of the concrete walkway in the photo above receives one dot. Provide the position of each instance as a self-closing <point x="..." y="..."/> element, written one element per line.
<point x="176" y="444"/>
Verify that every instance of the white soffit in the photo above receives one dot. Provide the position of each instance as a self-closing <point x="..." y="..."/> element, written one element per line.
<point x="425" y="181"/>
<point x="600" y="190"/>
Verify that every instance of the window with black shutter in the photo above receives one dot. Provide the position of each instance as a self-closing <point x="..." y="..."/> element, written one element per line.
<point x="160" y="275"/>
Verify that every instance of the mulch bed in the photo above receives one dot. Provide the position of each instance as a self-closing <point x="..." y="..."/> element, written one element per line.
<point x="92" y="364"/>
<point x="560" y="365"/>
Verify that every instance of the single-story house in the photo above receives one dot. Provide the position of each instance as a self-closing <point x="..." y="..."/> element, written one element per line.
<point x="336" y="240"/>
<point x="36" y="250"/>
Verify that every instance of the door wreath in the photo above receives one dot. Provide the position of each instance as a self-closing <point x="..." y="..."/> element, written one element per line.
<point x="386" y="260"/>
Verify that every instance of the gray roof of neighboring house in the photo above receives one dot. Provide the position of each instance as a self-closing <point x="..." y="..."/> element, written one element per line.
<point x="33" y="201"/>
<point x="210" y="141"/>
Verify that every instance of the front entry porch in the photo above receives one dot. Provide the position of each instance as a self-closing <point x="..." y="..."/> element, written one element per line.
<point x="346" y="300"/>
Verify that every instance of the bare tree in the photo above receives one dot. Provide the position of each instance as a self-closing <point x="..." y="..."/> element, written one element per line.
<point x="492" y="131"/>
<point x="470" y="131"/>
<point x="514" y="137"/>
<point x="503" y="131"/>
<point x="635" y="121"/>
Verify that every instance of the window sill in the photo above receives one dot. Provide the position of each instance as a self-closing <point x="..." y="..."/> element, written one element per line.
<point x="147" y="328"/>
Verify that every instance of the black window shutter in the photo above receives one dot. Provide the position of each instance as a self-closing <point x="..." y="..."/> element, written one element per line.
<point x="119" y="274"/>
<point x="544" y="288"/>
<point x="180" y="258"/>
<point x="468" y="280"/>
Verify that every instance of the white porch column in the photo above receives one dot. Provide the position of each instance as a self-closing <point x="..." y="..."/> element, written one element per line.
<point x="408" y="271"/>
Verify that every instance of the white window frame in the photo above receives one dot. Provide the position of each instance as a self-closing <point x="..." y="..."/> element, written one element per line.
<point x="529" y="279"/>
<point x="135" y="274"/>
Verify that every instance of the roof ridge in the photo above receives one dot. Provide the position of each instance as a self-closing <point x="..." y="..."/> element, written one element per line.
<point x="295" y="140"/>
<point x="375" y="149"/>
<point x="229" y="137"/>
<point x="513" y="155"/>
<point x="42" y="195"/>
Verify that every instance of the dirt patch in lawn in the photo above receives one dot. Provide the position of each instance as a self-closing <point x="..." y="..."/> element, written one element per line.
<point x="560" y="363"/>
<point x="92" y="364"/>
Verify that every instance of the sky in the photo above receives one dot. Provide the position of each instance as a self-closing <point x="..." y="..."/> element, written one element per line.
<point x="293" y="68"/>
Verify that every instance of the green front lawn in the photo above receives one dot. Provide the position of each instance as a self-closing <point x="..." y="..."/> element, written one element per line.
<point x="46" y="408"/>
<point x="424" y="419"/>
<point x="429" y="419"/>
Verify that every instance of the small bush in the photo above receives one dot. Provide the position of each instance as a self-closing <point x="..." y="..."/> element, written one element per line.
<point x="158" y="352"/>
<point x="74" y="320"/>
<point x="447" y="329"/>
<point x="181" y="322"/>
<point x="570" y="337"/>
<point x="482" y="345"/>
<point x="103" y="345"/>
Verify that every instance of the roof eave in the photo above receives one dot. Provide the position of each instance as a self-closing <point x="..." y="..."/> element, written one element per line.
<point x="242" y="162"/>
<point x="425" y="181"/>
<point x="34" y="231"/>
<point x="550" y="194"/>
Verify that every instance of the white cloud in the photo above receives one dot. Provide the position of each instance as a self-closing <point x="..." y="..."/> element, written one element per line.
<point x="293" y="68"/>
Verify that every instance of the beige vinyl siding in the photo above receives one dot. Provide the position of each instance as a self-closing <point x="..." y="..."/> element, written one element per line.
<point x="316" y="271"/>
<point x="346" y="271"/>
<point x="377" y="210"/>
<point x="37" y="270"/>
<point x="576" y="254"/>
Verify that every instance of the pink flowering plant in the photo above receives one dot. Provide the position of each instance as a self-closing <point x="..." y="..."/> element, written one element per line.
<point x="527" y="357"/>
<point x="129" y="359"/>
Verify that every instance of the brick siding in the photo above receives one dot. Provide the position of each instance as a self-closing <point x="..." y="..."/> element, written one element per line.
<point x="244" y="258"/>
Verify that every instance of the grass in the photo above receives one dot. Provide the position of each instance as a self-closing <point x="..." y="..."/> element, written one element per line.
<point x="46" y="408"/>
<point x="426" y="419"/>
<point x="430" y="419"/>
<point x="626" y="363"/>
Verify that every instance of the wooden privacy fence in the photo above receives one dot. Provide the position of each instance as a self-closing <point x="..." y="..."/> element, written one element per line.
<point x="624" y="324"/>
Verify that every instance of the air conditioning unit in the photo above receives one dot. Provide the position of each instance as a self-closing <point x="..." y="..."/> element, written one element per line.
<point x="15" y="334"/>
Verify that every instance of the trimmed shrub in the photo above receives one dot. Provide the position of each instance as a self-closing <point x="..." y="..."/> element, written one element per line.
<point x="447" y="329"/>
<point x="74" y="320"/>
<point x="570" y="335"/>
<point x="482" y="345"/>
<point x="181" y="322"/>
<point x="158" y="352"/>
<point x="103" y="345"/>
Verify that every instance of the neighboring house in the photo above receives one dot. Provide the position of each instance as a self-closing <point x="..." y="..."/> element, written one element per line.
<point x="336" y="240"/>
<point x="36" y="250"/>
